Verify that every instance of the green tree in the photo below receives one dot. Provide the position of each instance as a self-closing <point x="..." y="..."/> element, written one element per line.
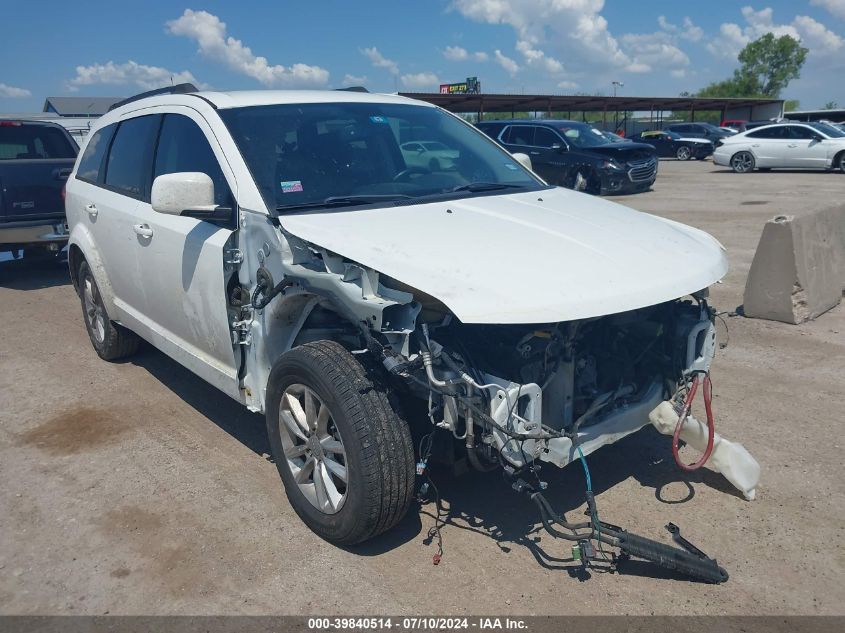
<point x="830" y="105"/>
<point x="767" y="65"/>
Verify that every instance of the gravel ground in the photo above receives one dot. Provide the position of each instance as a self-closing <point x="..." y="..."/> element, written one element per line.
<point x="135" y="488"/>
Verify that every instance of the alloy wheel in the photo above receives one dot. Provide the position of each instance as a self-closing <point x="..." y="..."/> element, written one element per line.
<point x="94" y="308"/>
<point x="743" y="162"/>
<point x="313" y="448"/>
<point x="684" y="153"/>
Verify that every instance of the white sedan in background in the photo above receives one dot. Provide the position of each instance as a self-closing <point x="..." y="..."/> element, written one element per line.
<point x="431" y="155"/>
<point x="784" y="145"/>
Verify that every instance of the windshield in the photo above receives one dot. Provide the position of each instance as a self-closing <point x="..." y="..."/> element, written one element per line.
<point x="338" y="154"/>
<point x="828" y="130"/>
<point x="582" y="135"/>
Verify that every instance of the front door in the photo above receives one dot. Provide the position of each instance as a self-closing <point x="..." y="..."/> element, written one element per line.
<point x="804" y="149"/>
<point x="183" y="258"/>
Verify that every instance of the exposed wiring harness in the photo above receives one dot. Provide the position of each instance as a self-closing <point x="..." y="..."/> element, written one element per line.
<point x="711" y="427"/>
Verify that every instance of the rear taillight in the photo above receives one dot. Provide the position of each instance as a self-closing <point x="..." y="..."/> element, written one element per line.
<point x="10" y="123"/>
<point x="64" y="193"/>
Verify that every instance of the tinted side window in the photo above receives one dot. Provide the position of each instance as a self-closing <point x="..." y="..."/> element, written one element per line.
<point x="772" y="132"/>
<point x="128" y="164"/>
<point x="92" y="159"/>
<point x="182" y="147"/>
<point x="521" y="135"/>
<point x="681" y="129"/>
<point x="800" y="132"/>
<point x="544" y="137"/>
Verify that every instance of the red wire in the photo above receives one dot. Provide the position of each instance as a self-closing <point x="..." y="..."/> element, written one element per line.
<point x="711" y="426"/>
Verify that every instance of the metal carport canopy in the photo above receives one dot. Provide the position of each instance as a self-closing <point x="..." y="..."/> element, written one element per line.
<point x="557" y="103"/>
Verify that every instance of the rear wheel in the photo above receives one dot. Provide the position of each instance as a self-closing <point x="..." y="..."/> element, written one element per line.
<point x="841" y="163"/>
<point x="111" y="341"/>
<point x="344" y="455"/>
<point x="742" y="162"/>
<point x="683" y="153"/>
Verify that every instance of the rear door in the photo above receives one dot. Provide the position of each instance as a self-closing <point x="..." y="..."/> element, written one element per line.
<point x="769" y="146"/>
<point x="182" y="258"/>
<point x="35" y="161"/>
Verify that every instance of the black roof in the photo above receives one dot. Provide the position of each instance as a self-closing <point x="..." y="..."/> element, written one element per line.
<point x="591" y="103"/>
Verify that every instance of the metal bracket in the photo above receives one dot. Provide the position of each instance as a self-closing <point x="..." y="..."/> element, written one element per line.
<point x="242" y="331"/>
<point x="675" y="531"/>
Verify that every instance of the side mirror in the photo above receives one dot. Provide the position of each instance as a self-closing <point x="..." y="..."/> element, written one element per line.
<point x="558" y="147"/>
<point x="523" y="160"/>
<point x="188" y="190"/>
<point x="818" y="137"/>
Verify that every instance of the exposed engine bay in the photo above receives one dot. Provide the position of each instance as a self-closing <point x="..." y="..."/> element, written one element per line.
<point x="511" y="396"/>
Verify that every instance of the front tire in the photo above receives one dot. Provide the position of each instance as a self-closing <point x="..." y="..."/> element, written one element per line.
<point x="683" y="153"/>
<point x="111" y="341"/>
<point x="344" y="455"/>
<point x="743" y="162"/>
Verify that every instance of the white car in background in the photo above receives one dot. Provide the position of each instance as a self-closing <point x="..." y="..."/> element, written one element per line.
<point x="429" y="155"/>
<point x="784" y="145"/>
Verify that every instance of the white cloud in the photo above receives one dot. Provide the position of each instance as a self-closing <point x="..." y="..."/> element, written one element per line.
<point x="688" y="31"/>
<point x="129" y="74"/>
<point x="380" y="61"/>
<point x="835" y="7"/>
<point x="506" y="62"/>
<point x="354" y="80"/>
<point x="209" y="32"/>
<point x="654" y="50"/>
<point x="820" y="40"/>
<point x="567" y="85"/>
<point x="459" y="54"/>
<point x="13" y="92"/>
<point x="575" y="27"/>
<point x="424" y="81"/>
<point x="536" y="57"/>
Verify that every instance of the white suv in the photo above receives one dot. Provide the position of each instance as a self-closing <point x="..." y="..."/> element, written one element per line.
<point x="279" y="246"/>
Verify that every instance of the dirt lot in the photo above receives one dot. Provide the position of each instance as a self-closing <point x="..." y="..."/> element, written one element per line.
<point x="135" y="488"/>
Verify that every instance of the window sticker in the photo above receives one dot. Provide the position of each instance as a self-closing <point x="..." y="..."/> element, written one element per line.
<point x="291" y="186"/>
<point x="378" y="119"/>
<point x="511" y="166"/>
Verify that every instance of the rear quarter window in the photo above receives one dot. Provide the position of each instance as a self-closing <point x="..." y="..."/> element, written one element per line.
<point x="92" y="158"/>
<point x="34" y="142"/>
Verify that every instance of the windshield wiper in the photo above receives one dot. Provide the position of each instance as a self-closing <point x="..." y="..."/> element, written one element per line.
<point x="486" y="186"/>
<point x="343" y="201"/>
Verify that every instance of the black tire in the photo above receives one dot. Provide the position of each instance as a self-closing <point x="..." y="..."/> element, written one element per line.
<point x="434" y="164"/>
<point x="743" y="162"/>
<point x="111" y="341"/>
<point x="378" y="453"/>
<point x="841" y="163"/>
<point x="684" y="152"/>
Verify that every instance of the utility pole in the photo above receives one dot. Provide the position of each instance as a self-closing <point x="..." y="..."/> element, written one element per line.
<point x="616" y="84"/>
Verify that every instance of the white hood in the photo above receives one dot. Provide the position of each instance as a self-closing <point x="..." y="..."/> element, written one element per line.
<point x="539" y="257"/>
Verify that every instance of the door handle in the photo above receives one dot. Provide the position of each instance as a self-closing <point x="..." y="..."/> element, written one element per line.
<point x="143" y="230"/>
<point x="535" y="153"/>
<point x="792" y="145"/>
<point x="92" y="210"/>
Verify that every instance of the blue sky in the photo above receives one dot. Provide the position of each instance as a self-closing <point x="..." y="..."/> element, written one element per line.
<point x="656" y="47"/>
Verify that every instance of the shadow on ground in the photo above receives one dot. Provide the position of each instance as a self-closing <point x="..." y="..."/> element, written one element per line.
<point x="33" y="274"/>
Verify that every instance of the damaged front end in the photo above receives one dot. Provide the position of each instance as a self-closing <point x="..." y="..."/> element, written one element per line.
<point x="512" y="396"/>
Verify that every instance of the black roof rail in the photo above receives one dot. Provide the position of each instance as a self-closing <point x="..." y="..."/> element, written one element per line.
<point x="178" y="89"/>
<point x="353" y="89"/>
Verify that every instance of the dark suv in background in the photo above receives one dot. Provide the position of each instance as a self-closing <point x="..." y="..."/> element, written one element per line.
<point x="699" y="130"/>
<point x="576" y="155"/>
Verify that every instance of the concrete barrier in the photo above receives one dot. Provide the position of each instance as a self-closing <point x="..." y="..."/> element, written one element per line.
<point x="798" y="270"/>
